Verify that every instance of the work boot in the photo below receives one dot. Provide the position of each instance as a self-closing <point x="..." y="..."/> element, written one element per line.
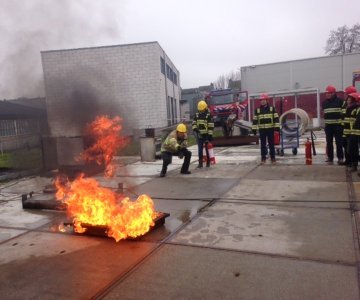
<point x="273" y="161"/>
<point x="329" y="161"/>
<point x="200" y="165"/>
<point x="163" y="171"/>
<point x="263" y="161"/>
<point x="208" y="163"/>
<point x="185" y="172"/>
<point x="353" y="169"/>
<point x="341" y="162"/>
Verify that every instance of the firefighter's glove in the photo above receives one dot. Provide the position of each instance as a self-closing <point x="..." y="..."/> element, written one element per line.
<point x="181" y="155"/>
<point x="254" y="132"/>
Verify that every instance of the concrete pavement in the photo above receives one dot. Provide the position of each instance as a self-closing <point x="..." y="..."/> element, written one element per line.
<point x="237" y="230"/>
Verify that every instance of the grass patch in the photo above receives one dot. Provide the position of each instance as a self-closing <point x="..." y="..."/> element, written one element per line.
<point x="22" y="159"/>
<point x="131" y="149"/>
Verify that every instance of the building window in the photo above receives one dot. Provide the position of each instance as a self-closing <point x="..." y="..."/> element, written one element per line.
<point x="162" y="65"/>
<point x="168" y="71"/>
<point x="175" y="78"/>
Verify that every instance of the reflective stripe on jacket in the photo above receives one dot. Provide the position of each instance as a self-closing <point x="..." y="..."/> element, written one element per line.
<point x="356" y="127"/>
<point x="204" y="123"/>
<point x="265" y="117"/>
<point x="332" y="110"/>
<point x="349" y="120"/>
<point x="172" y="143"/>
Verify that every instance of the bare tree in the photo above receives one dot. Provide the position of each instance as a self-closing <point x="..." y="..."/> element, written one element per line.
<point x="343" y="40"/>
<point x="222" y="81"/>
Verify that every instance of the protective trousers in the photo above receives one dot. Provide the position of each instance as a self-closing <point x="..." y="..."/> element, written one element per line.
<point x="267" y="134"/>
<point x="167" y="159"/>
<point x="334" y="131"/>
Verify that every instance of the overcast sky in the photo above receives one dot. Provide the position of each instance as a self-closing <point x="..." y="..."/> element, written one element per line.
<point x="203" y="38"/>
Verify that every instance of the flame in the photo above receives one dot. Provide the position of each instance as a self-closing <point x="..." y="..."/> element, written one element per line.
<point x="88" y="203"/>
<point x="103" y="140"/>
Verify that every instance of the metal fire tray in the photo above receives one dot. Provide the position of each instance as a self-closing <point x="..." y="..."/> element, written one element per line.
<point x="100" y="230"/>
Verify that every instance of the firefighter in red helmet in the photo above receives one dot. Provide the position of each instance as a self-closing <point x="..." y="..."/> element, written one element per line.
<point x="332" y="107"/>
<point x="355" y="133"/>
<point x="344" y="111"/>
<point x="266" y="120"/>
<point x="352" y="149"/>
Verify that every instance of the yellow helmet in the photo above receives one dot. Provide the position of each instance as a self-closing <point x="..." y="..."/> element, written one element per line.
<point x="181" y="128"/>
<point x="202" y="105"/>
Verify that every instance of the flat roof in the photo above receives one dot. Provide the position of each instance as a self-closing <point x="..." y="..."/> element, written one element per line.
<point x="302" y="59"/>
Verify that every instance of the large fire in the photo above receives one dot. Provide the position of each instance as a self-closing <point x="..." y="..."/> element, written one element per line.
<point x="103" y="140"/>
<point x="90" y="204"/>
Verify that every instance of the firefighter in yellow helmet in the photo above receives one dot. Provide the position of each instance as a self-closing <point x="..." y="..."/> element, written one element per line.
<point x="203" y="127"/>
<point x="176" y="144"/>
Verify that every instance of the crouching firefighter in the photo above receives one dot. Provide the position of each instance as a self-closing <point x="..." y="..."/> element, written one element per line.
<point x="203" y="127"/>
<point x="175" y="144"/>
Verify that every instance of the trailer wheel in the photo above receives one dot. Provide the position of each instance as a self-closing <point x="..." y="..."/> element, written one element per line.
<point x="294" y="151"/>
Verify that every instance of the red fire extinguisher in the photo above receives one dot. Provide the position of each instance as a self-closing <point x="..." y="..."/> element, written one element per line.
<point x="308" y="154"/>
<point x="211" y="153"/>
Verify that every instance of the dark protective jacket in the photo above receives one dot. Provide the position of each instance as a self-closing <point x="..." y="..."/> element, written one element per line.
<point x="332" y="110"/>
<point x="203" y="124"/>
<point x="349" y="119"/>
<point x="265" y="117"/>
<point x="356" y="127"/>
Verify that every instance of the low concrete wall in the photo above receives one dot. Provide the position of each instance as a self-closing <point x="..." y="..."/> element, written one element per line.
<point x="10" y="143"/>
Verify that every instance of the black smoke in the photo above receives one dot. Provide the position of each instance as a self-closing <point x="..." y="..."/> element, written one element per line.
<point x="28" y="27"/>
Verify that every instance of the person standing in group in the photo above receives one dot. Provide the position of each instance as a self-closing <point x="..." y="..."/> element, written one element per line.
<point x="176" y="144"/>
<point x="266" y="120"/>
<point x="352" y="149"/>
<point x="332" y="115"/>
<point x="203" y="127"/>
<point x="345" y="136"/>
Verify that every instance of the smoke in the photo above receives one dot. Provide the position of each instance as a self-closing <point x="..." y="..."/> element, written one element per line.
<point x="28" y="27"/>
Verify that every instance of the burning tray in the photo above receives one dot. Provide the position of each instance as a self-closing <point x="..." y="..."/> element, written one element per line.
<point x="100" y="230"/>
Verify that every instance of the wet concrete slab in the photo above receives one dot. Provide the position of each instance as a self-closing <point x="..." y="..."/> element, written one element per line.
<point x="201" y="273"/>
<point x="181" y="212"/>
<point x="291" y="193"/>
<point x="220" y="171"/>
<point x="54" y="266"/>
<point x="186" y="187"/>
<point x="26" y="185"/>
<point x="14" y="216"/>
<point x="8" y="233"/>
<point x="319" y="234"/>
<point x="126" y="182"/>
<point x="297" y="172"/>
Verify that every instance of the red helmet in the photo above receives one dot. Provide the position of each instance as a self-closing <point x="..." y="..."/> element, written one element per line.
<point x="330" y="89"/>
<point x="264" y="97"/>
<point x="356" y="96"/>
<point x="350" y="89"/>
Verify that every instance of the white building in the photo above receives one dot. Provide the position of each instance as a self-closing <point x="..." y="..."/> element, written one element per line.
<point x="138" y="82"/>
<point x="317" y="72"/>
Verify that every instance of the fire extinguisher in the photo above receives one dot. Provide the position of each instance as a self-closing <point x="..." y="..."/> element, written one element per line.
<point x="308" y="154"/>
<point x="210" y="149"/>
